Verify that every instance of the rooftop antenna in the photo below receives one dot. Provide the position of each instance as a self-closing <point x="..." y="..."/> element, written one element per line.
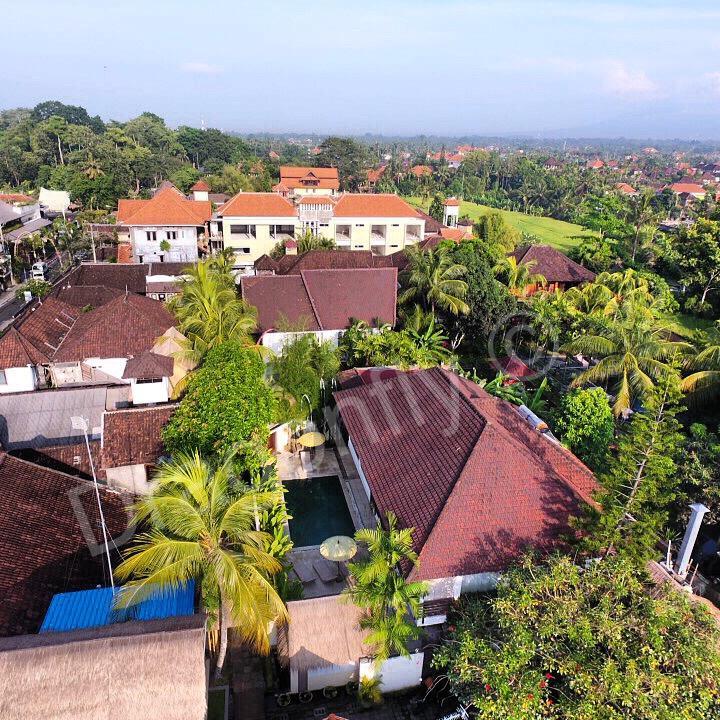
<point x="80" y="423"/>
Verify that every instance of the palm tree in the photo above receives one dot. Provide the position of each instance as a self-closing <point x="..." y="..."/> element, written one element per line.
<point x="518" y="275"/>
<point x="92" y="168"/>
<point x="378" y="586"/>
<point x="200" y="525"/>
<point x="433" y="278"/>
<point x="633" y="354"/>
<point x="704" y="384"/>
<point x="210" y="312"/>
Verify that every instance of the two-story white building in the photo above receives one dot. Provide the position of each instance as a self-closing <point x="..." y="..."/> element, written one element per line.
<point x="166" y="228"/>
<point x="253" y="223"/>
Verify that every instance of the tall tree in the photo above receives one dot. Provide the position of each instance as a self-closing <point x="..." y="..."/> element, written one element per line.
<point x="699" y="260"/>
<point x="567" y="642"/>
<point x="348" y="156"/>
<point x="435" y="280"/>
<point x="200" y="526"/>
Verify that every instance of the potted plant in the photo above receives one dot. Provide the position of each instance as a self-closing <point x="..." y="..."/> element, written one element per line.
<point x="369" y="691"/>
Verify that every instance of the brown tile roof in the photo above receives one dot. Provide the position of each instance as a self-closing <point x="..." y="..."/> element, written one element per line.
<point x="323" y="178"/>
<point x="120" y="276"/>
<point x="166" y="207"/>
<point x="148" y="366"/>
<point x="124" y="327"/>
<point x="45" y="516"/>
<point x="322" y="260"/>
<point x="16" y="351"/>
<point x="553" y="265"/>
<point x="323" y="299"/>
<point x="71" y="459"/>
<point x="379" y="205"/>
<point x="47" y="325"/>
<point x="134" y="436"/>
<point x="82" y="296"/>
<point x="477" y="483"/>
<point x="257" y="205"/>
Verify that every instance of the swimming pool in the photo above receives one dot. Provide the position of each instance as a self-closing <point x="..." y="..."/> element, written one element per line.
<point x="318" y="510"/>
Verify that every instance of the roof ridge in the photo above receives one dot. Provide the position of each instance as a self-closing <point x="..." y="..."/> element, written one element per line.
<point x="311" y="299"/>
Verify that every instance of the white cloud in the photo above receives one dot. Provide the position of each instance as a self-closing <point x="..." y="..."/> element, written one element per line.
<point x="618" y="79"/>
<point x="201" y="68"/>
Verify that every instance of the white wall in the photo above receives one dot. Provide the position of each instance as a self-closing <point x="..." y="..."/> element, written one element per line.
<point x="182" y="249"/>
<point x="397" y="673"/>
<point x="335" y="676"/>
<point x="132" y="478"/>
<point x="19" y="379"/>
<point x="276" y="341"/>
<point x="149" y="392"/>
<point x="110" y="366"/>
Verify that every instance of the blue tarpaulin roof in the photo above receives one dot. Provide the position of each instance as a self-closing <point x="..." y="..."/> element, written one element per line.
<point x="94" y="608"/>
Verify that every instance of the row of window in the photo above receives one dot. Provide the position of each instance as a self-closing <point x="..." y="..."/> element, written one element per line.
<point x="152" y="235"/>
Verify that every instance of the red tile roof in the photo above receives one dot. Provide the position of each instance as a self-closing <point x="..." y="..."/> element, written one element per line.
<point x="16" y="351"/>
<point x="133" y="436"/>
<point x="553" y="265"/>
<point x="47" y="325"/>
<point x="689" y="188"/>
<point x="316" y="200"/>
<point x="301" y="177"/>
<point x="595" y="164"/>
<point x="452" y="202"/>
<point x="125" y="327"/>
<point x="379" y="205"/>
<point x="166" y="207"/>
<point x="124" y="253"/>
<point x="420" y="170"/>
<point x="626" y="189"/>
<point x="478" y="484"/>
<point x="374" y="175"/>
<point x="16" y="198"/>
<point x="47" y="519"/>
<point x="201" y="185"/>
<point x="323" y="299"/>
<point x="257" y="205"/>
<point x="148" y="366"/>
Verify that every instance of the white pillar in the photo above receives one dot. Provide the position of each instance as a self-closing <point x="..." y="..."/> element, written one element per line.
<point x="698" y="511"/>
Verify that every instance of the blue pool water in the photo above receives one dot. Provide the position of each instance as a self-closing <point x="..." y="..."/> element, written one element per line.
<point x="318" y="510"/>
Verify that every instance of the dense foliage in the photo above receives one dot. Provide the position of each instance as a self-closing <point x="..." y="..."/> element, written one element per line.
<point x="560" y="641"/>
<point x="227" y="403"/>
<point x="585" y="425"/>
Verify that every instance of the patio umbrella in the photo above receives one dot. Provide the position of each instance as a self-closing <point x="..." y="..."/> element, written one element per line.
<point x="339" y="548"/>
<point x="311" y="439"/>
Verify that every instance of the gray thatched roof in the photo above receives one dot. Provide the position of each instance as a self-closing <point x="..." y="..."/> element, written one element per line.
<point x="322" y="632"/>
<point x="135" y="671"/>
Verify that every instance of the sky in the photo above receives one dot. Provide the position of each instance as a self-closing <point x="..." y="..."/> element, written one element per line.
<point x="577" y="68"/>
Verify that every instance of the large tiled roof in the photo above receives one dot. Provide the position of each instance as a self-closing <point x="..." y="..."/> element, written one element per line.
<point x="133" y="436"/>
<point x="323" y="299"/>
<point x="47" y="325"/>
<point x="292" y="177"/>
<point x="124" y="327"/>
<point x="378" y="205"/>
<point x="257" y="204"/>
<point x="322" y="260"/>
<point x="167" y="207"/>
<point x="478" y="484"/>
<point x="553" y="265"/>
<point x="85" y="296"/>
<point x="47" y="519"/>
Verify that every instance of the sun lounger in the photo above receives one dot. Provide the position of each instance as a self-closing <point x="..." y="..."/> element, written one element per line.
<point x="305" y="574"/>
<point x="326" y="571"/>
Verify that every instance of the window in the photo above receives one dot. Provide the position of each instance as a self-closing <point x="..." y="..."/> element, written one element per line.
<point x="148" y="381"/>
<point x="3" y="379"/>
<point x="151" y="235"/>
<point x="359" y="224"/>
<point x="243" y="230"/>
<point x="396" y="224"/>
<point x="245" y="251"/>
<point x="171" y="234"/>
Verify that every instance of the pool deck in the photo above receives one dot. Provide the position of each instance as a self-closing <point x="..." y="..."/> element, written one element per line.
<point x="321" y="463"/>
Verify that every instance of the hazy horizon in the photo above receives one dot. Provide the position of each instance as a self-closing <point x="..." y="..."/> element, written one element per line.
<point x="550" y="68"/>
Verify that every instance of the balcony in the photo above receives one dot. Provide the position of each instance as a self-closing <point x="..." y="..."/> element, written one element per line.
<point x="342" y="235"/>
<point x="378" y="235"/>
<point x="412" y="234"/>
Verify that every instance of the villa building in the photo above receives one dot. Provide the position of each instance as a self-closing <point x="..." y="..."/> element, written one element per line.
<point x="478" y="483"/>
<point x="308" y="181"/>
<point x="252" y="224"/>
<point x="166" y="228"/>
<point x="559" y="271"/>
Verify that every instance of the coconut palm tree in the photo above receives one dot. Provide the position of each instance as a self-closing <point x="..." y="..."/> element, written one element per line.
<point x="518" y="275"/>
<point x="434" y="279"/>
<point x="634" y="355"/>
<point x="378" y="585"/>
<point x="704" y="384"/>
<point x="210" y="312"/>
<point x="199" y="524"/>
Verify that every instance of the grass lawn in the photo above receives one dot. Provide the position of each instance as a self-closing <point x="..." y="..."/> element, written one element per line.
<point x="558" y="233"/>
